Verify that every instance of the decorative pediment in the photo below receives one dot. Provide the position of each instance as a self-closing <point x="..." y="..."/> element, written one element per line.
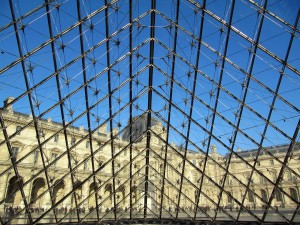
<point x="16" y="143"/>
<point x="56" y="150"/>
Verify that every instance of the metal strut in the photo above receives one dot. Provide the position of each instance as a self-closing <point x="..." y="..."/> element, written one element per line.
<point x="150" y="81"/>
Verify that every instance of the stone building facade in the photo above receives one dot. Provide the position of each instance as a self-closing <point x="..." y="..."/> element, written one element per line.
<point x="24" y="153"/>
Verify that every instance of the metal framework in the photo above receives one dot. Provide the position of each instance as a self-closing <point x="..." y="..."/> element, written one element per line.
<point x="223" y="74"/>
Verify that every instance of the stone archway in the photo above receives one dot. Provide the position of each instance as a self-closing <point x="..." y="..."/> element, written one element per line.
<point x="134" y="194"/>
<point x="13" y="194"/>
<point x="38" y="187"/>
<point x="108" y="195"/>
<point x="77" y="192"/>
<point x="120" y="195"/>
<point x="92" y="200"/>
<point x="58" y="190"/>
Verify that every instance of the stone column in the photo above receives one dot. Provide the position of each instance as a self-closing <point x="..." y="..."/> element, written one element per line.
<point x="67" y="189"/>
<point x="27" y="192"/>
<point x="47" y="200"/>
<point x="3" y="187"/>
<point x="85" y="194"/>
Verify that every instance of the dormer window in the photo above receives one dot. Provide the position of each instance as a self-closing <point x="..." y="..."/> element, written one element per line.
<point x="73" y="140"/>
<point x="18" y="130"/>
<point x="56" y="138"/>
<point x="41" y="133"/>
<point x="35" y="156"/>
<point x="14" y="151"/>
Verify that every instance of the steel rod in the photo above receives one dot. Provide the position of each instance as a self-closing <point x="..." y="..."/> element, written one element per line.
<point x="169" y="107"/>
<point x="149" y="108"/>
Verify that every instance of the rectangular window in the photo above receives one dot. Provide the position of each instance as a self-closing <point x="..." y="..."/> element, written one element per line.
<point x="14" y="151"/>
<point x="87" y="144"/>
<point x="18" y="130"/>
<point x="85" y="165"/>
<point x="56" y="137"/>
<point x="41" y="133"/>
<point x="271" y="162"/>
<point x="289" y="176"/>
<point x="35" y="156"/>
<point x="53" y="157"/>
<point x="250" y="196"/>
<point x="73" y="140"/>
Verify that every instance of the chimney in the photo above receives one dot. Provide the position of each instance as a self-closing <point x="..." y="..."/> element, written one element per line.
<point x="214" y="149"/>
<point x="6" y="103"/>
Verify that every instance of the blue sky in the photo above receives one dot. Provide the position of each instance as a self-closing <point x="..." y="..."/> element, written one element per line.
<point x="275" y="37"/>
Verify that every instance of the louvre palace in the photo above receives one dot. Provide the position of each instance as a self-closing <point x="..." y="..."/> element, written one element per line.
<point x="149" y="112"/>
<point x="98" y="192"/>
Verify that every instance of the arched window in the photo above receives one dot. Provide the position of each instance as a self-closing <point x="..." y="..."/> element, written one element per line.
<point x="250" y="196"/>
<point x="264" y="195"/>
<point x="13" y="194"/>
<point x="278" y="195"/>
<point x="294" y="194"/>
<point x="38" y="186"/>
